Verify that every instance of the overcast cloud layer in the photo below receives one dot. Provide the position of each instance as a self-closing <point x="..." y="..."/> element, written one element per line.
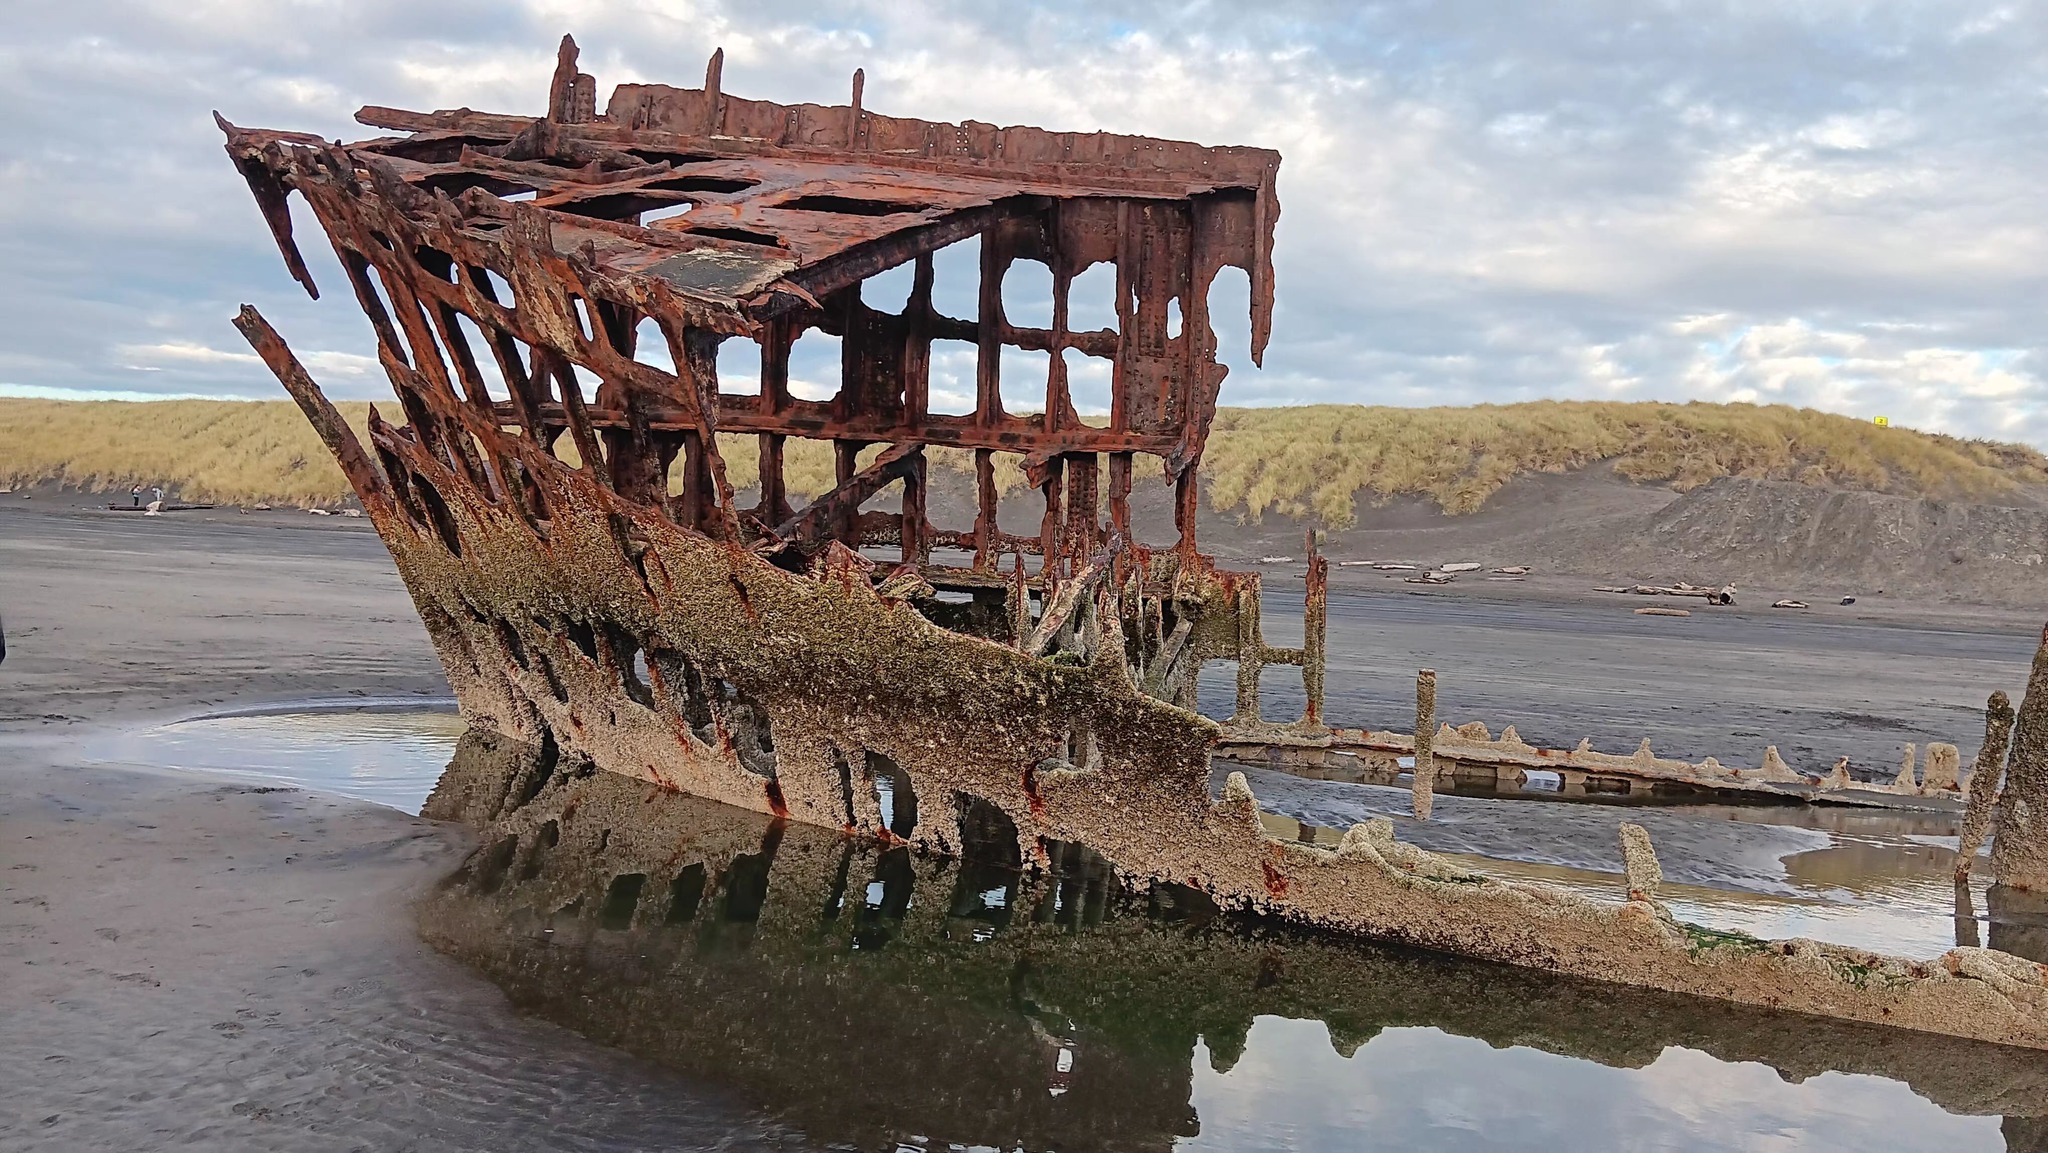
<point x="1826" y="204"/>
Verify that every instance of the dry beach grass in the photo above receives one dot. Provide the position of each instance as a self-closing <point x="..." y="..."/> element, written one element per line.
<point x="1305" y="462"/>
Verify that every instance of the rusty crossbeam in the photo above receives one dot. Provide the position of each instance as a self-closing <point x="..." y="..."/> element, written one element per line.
<point x="898" y="462"/>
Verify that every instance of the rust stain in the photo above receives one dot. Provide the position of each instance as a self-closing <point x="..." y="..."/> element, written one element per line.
<point x="1276" y="882"/>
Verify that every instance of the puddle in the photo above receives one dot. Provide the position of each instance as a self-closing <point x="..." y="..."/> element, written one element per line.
<point x="881" y="1001"/>
<point x="375" y="752"/>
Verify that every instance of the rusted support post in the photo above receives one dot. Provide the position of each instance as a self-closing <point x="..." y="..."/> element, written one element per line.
<point x="775" y="342"/>
<point x="845" y="463"/>
<point x="1425" y="732"/>
<point x="580" y="431"/>
<point x="572" y="98"/>
<point x="1985" y="775"/>
<point x="2019" y="850"/>
<point x="1084" y="531"/>
<point x="912" y="528"/>
<point x="1020" y="605"/>
<point x="1314" y="626"/>
<point x="714" y="83"/>
<point x="1120" y="494"/>
<point x="917" y="344"/>
<point x="696" y="501"/>
<point x="1185" y="498"/>
<point x="1049" y="542"/>
<point x="988" y="393"/>
<point x="774" y="497"/>
<point x="1251" y="654"/>
<point x="985" y="529"/>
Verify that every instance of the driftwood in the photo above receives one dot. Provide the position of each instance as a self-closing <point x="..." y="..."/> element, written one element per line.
<point x="1460" y="566"/>
<point x="1514" y="570"/>
<point x="1790" y="605"/>
<point x="1663" y="612"/>
<point x="1723" y="595"/>
<point x="1432" y="578"/>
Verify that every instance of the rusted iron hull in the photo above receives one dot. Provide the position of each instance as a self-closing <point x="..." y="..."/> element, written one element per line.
<point x="613" y="606"/>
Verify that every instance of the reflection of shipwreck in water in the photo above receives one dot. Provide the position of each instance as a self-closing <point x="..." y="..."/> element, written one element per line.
<point x="594" y="586"/>
<point x="866" y="993"/>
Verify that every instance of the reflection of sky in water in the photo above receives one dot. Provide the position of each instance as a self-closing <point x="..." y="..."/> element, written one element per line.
<point x="1419" y="1088"/>
<point x="1874" y="879"/>
<point x="1911" y="915"/>
<point x="386" y="757"/>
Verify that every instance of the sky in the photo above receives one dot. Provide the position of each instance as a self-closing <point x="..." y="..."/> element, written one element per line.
<point x="1832" y="205"/>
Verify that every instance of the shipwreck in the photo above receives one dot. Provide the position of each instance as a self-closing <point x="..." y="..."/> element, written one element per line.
<point x="550" y="296"/>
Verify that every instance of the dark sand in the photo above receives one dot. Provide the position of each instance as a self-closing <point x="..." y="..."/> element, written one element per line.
<point x="198" y="964"/>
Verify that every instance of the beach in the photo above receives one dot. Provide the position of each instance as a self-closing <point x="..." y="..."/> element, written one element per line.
<point x="196" y="963"/>
<point x="204" y="963"/>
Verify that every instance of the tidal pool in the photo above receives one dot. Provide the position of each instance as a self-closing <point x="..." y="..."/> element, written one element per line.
<point x="386" y="752"/>
<point x="879" y="1000"/>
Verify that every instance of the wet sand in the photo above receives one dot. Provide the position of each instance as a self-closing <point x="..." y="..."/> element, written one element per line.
<point x="192" y="963"/>
<point x="1562" y="665"/>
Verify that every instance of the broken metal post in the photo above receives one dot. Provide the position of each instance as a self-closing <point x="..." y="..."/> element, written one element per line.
<point x="1314" y="626"/>
<point x="1425" y="731"/>
<point x="1943" y="764"/>
<point x="985" y="531"/>
<point x="1985" y="775"/>
<point x="1639" y="863"/>
<point x="2019" y="850"/>
<point x="1251" y="650"/>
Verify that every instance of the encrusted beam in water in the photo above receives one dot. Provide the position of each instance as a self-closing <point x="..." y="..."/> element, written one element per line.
<point x="618" y="605"/>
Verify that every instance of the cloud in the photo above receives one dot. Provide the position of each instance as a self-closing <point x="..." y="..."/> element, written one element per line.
<point x="152" y="356"/>
<point x="1481" y="202"/>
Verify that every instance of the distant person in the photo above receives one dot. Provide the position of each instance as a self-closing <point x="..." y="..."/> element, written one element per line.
<point x="159" y="491"/>
<point x="135" y="496"/>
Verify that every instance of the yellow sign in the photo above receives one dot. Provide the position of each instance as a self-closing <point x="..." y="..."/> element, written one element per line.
<point x="1882" y="422"/>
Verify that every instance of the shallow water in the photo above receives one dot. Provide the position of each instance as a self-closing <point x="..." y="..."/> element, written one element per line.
<point x="378" y="752"/>
<point x="1878" y="880"/>
<point x="877" y="1000"/>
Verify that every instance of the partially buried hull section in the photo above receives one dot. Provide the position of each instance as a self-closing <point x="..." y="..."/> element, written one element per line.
<point x="614" y="605"/>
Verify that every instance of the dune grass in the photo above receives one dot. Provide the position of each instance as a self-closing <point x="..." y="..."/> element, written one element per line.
<point x="1310" y="462"/>
<point x="1314" y="460"/>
